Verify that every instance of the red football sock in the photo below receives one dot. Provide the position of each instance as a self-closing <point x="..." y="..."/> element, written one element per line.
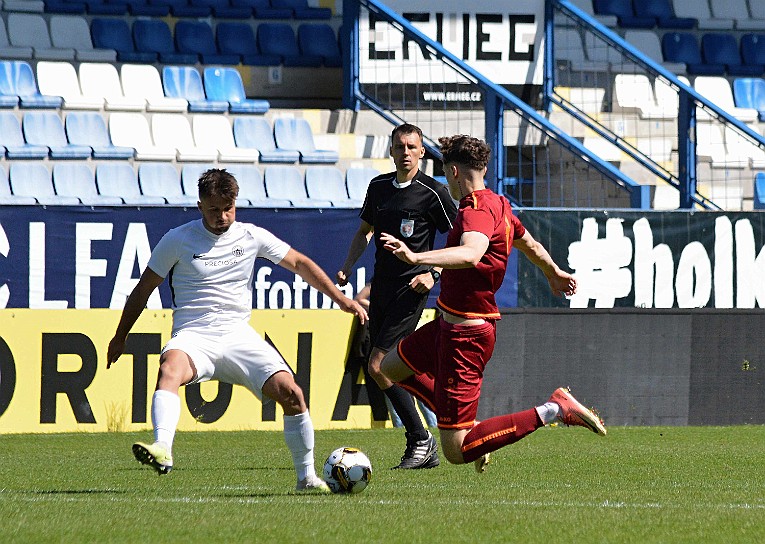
<point x="496" y="432"/>
<point x="421" y="386"/>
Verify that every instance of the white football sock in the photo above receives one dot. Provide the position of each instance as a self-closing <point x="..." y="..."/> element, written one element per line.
<point x="548" y="412"/>
<point x="298" y="434"/>
<point x="165" y="413"/>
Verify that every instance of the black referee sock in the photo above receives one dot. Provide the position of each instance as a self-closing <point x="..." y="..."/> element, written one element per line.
<point x="403" y="403"/>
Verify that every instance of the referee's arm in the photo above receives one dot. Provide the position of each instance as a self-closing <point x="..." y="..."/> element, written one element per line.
<point x="359" y="243"/>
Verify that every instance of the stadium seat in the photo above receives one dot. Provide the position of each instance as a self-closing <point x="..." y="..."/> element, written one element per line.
<point x="196" y="38"/>
<point x="18" y="82"/>
<point x="142" y="82"/>
<point x="623" y="11"/>
<point x="8" y="51"/>
<point x="693" y="9"/>
<point x="77" y="180"/>
<point x="717" y="48"/>
<point x="759" y="191"/>
<point x="753" y="50"/>
<point x="102" y="80"/>
<point x="357" y="180"/>
<point x="256" y="133"/>
<point x="60" y="79"/>
<point x="106" y="7"/>
<point x="262" y="9"/>
<point x="683" y="47"/>
<point x="89" y="128"/>
<point x="222" y="9"/>
<point x="296" y="134"/>
<point x="661" y="10"/>
<point x="253" y="190"/>
<point x="634" y="91"/>
<point x="569" y="48"/>
<point x="279" y="39"/>
<point x="12" y="140"/>
<point x="183" y="8"/>
<point x="115" y="34"/>
<point x="214" y="132"/>
<point x="46" y="128"/>
<point x="301" y="9"/>
<point x="132" y="130"/>
<point x="239" y="39"/>
<point x="73" y="7"/>
<point x="118" y="179"/>
<point x="757" y="12"/>
<point x="718" y="91"/>
<point x="648" y="43"/>
<point x="318" y="39"/>
<point x="33" y="179"/>
<point x="147" y="8"/>
<point x="7" y="198"/>
<point x="24" y="6"/>
<point x="73" y="32"/>
<point x="225" y="84"/>
<point x="161" y="179"/>
<point x="190" y="174"/>
<point x="30" y="30"/>
<point x="185" y="82"/>
<point x="328" y="183"/>
<point x="750" y="93"/>
<point x="286" y="183"/>
<point x="586" y="6"/>
<point x="173" y="130"/>
<point x="153" y="36"/>
<point x="735" y="11"/>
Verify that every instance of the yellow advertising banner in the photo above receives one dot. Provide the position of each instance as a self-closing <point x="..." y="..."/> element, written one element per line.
<point x="53" y="375"/>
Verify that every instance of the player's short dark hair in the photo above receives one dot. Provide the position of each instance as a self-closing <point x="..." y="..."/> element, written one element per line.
<point x="404" y="129"/>
<point x="466" y="150"/>
<point x="218" y="182"/>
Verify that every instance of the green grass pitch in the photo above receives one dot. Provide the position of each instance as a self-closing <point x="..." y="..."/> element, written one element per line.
<point x="638" y="484"/>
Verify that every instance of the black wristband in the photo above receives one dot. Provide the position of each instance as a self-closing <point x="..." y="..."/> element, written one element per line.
<point x="436" y="274"/>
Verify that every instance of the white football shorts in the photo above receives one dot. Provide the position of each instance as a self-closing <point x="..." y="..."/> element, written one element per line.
<point x="240" y="356"/>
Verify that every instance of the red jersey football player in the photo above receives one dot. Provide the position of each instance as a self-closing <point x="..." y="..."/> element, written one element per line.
<point x="443" y="361"/>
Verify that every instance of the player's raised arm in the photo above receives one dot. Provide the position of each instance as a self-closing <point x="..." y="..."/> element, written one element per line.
<point x="561" y="282"/>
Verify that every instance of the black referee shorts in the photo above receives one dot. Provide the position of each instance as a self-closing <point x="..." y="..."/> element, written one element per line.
<point x="394" y="311"/>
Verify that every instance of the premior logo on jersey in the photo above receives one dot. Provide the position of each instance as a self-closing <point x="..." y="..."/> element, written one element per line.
<point x="238" y="251"/>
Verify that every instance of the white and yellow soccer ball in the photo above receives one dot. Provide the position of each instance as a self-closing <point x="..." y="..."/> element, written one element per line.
<point x="347" y="470"/>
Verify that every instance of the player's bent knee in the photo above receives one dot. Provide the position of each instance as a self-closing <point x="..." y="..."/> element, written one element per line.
<point x="451" y="446"/>
<point x="281" y="387"/>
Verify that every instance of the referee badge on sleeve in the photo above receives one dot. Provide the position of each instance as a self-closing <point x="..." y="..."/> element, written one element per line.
<point x="407" y="227"/>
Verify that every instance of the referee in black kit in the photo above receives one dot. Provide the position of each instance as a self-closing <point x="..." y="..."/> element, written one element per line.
<point x="409" y="205"/>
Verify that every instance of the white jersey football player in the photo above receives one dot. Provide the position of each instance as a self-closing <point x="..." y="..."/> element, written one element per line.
<point x="210" y="265"/>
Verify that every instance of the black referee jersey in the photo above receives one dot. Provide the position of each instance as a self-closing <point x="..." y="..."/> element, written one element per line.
<point x="411" y="214"/>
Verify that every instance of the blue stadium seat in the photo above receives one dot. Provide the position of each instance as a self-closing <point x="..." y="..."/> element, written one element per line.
<point x="196" y="38"/>
<point x="662" y="11"/>
<point x="683" y="47"/>
<point x="759" y="191"/>
<point x="183" y="8"/>
<point x="146" y="8"/>
<point x="161" y="179"/>
<point x="286" y="182"/>
<point x="106" y="7"/>
<point x="18" y="81"/>
<point x="301" y="9"/>
<point x="357" y="180"/>
<point x="185" y="82"/>
<point x="89" y="128"/>
<point x="750" y="93"/>
<point x="33" y="179"/>
<point x="625" y="17"/>
<point x="224" y="10"/>
<point x="65" y="6"/>
<point x="153" y="36"/>
<point x="115" y="34"/>
<point x="190" y="177"/>
<point x="12" y="140"/>
<point x="753" y="50"/>
<point x="261" y="9"/>
<point x="279" y="39"/>
<point x="77" y="180"/>
<point x="328" y="183"/>
<point x="239" y="39"/>
<point x="46" y="128"/>
<point x="253" y="190"/>
<point x="722" y="49"/>
<point x="318" y="39"/>
<point x="225" y="84"/>
<point x="118" y="179"/>
<point x="7" y="198"/>
<point x="256" y="133"/>
<point x="296" y="134"/>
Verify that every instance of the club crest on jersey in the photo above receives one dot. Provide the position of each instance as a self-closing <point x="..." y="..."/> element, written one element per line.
<point x="237" y="251"/>
<point x="407" y="227"/>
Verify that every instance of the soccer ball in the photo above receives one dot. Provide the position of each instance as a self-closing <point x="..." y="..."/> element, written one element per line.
<point x="347" y="470"/>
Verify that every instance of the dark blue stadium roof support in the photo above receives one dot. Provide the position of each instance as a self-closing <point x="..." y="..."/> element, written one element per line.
<point x="496" y="101"/>
<point x="688" y="100"/>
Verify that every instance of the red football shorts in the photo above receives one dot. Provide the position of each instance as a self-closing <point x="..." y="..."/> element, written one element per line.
<point x="455" y="355"/>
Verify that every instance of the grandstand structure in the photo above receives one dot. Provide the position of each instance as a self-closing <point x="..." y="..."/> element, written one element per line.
<point x="650" y="104"/>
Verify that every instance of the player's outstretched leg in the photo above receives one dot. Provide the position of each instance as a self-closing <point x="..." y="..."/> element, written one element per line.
<point x="572" y="412"/>
<point x="156" y="455"/>
<point x="481" y="462"/>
